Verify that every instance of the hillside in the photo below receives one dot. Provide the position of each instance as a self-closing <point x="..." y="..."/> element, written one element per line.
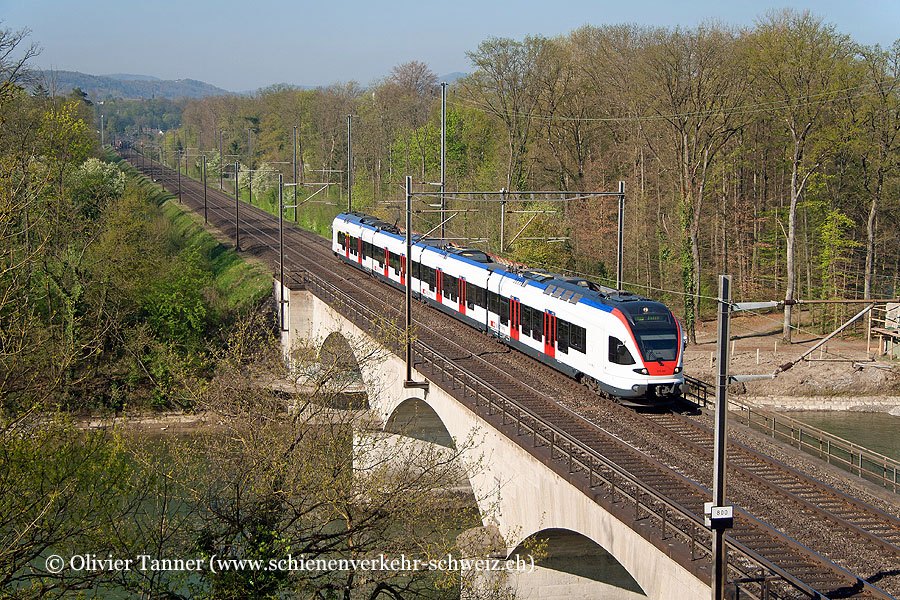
<point x="99" y="87"/>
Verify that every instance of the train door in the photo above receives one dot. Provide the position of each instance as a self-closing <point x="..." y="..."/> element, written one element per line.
<point x="402" y="270"/>
<point x="515" y="318"/>
<point x="359" y="249"/>
<point x="439" y="290"/>
<point x="550" y="334"/>
<point x="462" y="296"/>
<point x="387" y="260"/>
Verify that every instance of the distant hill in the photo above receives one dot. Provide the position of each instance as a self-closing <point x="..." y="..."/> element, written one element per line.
<point x="451" y="77"/>
<point x="131" y="77"/>
<point x="99" y="87"/>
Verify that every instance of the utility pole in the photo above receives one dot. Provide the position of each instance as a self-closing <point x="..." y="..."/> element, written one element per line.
<point x="443" y="154"/>
<point x="619" y="248"/>
<point x="281" y="250"/>
<point x="409" y="383"/>
<point x="295" y="174"/>
<point x="719" y="516"/>
<point x="221" y="161"/>
<point x="237" y="208"/>
<point x="179" y="177"/>
<point x="502" y="218"/>
<point x="205" y="219"/>
<point x="349" y="165"/>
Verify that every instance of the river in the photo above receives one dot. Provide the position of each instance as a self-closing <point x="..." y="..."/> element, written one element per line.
<point x="879" y="432"/>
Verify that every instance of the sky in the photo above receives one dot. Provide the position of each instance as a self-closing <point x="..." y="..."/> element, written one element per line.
<point x="242" y="46"/>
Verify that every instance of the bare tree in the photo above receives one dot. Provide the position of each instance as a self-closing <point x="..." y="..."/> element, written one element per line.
<point x="879" y="120"/>
<point x="507" y="85"/>
<point x="695" y="78"/>
<point x="796" y="59"/>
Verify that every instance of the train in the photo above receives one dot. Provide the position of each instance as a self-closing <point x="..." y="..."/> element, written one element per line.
<point x="618" y="343"/>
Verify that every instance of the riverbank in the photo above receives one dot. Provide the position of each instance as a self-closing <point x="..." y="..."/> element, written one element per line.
<point x="840" y="376"/>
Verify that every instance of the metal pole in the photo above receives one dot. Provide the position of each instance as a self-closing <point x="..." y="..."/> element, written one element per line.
<point x="720" y="557"/>
<point x="408" y="283"/>
<point x="221" y="161"/>
<point x="502" y="218"/>
<point x="237" y="205"/>
<point x="349" y="167"/>
<point x="179" y="178"/>
<point x="619" y="257"/>
<point x="249" y="166"/>
<point x="205" y="219"/>
<point x="101" y="130"/>
<point x="281" y="250"/>
<point x="295" y="174"/>
<point x="443" y="153"/>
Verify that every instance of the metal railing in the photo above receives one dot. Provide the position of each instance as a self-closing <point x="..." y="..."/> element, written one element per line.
<point x="751" y="574"/>
<point x="831" y="448"/>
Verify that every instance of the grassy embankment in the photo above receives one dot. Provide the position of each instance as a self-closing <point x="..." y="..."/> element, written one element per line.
<point x="239" y="280"/>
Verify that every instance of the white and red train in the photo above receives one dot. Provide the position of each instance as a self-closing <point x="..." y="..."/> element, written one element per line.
<point x="625" y="345"/>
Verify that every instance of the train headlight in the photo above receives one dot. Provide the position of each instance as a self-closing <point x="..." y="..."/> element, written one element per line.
<point x="677" y="370"/>
<point x="641" y="371"/>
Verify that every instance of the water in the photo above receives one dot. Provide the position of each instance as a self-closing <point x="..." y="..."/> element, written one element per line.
<point x="879" y="432"/>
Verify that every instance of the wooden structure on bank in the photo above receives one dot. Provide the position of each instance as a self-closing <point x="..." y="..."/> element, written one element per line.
<point x="885" y="325"/>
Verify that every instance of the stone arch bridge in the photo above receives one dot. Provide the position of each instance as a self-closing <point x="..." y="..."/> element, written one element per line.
<point x="591" y="551"/>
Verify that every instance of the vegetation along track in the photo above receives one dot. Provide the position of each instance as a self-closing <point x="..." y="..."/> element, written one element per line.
<point x="627" y="438"/>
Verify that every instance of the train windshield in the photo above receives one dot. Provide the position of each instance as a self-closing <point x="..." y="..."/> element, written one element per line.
<point x="655" y="332"/>
<point x="658" y="344"/>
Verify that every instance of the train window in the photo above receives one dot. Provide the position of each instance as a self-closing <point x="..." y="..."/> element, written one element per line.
<point x="525" y="319"/>
<point x="451" y="287"/>
<point x="342" y="239"/>
<point x="429" y="277"/>
<point x="475" y="295"/>
<point x="504" y="310"/>
<point x="472" y="293"/>
<point x="395" y="262"/>
<point x="537" y="324"/>
<point x="377" y="256"/>
<point x="493" y="303"/>
<point x="618" y="353"/>
<point x="352" y="244"/>
<point x="577" y="339"/>
<point x="562" y="336"/>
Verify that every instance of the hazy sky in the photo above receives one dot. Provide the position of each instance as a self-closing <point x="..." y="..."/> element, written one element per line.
<point x="246" y="45"/>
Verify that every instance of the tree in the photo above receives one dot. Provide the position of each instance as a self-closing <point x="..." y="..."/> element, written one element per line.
<point x="289" y="471"/>
<point x="507" y="84"/>
<point x="797" y="61"/>
<point x="13" y="69"/>
<point x="879" y="122"/>
<point x="696" y="78"/>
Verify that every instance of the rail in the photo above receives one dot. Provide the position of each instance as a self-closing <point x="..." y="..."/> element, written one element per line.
<point x="752" y="575"/>
<point x="831" y="448"/>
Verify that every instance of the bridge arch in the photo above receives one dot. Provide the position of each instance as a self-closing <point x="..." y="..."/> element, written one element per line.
<point x="329" y="367"/>
<point x="569" y="564"/>
<point x="415" y="418"/>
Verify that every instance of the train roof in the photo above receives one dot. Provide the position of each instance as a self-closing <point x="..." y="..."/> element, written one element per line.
<point x="571" y="289"/>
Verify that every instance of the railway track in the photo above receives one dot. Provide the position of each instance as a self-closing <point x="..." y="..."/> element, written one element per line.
<point x="631" y="445"/>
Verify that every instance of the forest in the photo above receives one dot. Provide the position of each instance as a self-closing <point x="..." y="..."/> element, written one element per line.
<point x="117" y="306"/>
<point x="769" y="153"/>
